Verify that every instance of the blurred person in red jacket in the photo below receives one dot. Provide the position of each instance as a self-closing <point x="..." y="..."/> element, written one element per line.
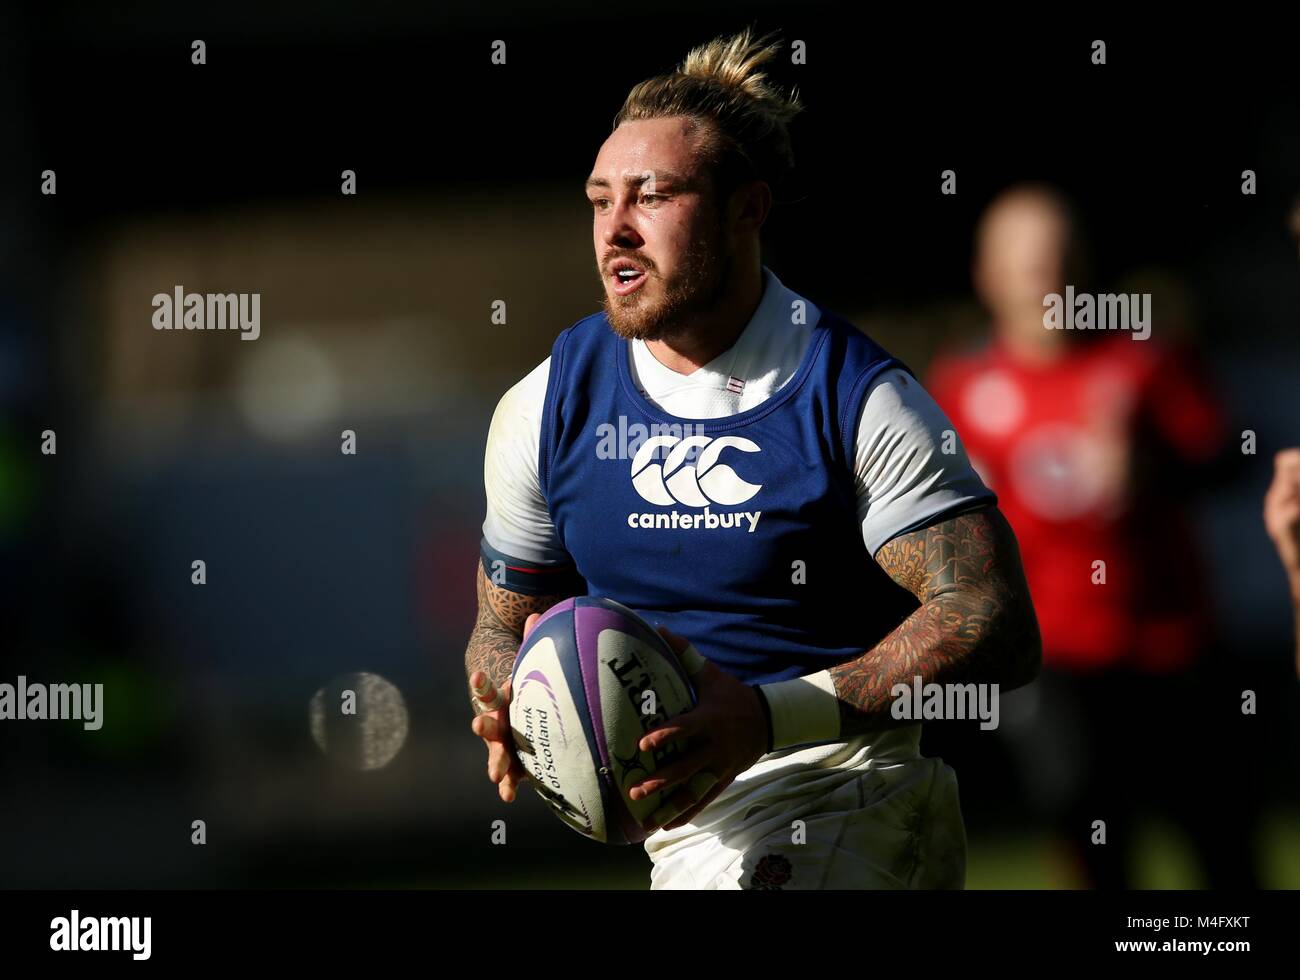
<point x="1093" y="441"/>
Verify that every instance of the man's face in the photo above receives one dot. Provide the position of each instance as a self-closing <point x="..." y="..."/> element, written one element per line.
<point x="661" y="250"/>
<point x="1021" y="258"/>
<point x="1022" y="254"/>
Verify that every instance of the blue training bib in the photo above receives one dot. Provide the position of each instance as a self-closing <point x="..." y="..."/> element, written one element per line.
<point x="738" y="533"/>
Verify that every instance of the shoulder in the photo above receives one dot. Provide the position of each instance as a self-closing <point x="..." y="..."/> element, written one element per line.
<point x="911" y="469"/>
<point x="896" y="402"/>
<point x="517" y="523"/>
<point x="525" y="397"/>
<point x="851" y="364"/>
<point x="528" y="396"/>
<point x="515" y="433"/>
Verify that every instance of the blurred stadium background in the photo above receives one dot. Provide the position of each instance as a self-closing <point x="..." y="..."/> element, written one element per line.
<point x="376" y="317"/>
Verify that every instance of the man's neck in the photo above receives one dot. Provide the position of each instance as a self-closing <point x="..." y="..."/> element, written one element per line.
<point x="709" y="334"/>
<point x="1032" y="344"/>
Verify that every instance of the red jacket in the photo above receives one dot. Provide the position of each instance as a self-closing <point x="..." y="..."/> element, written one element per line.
<point x="1089" y="457"/>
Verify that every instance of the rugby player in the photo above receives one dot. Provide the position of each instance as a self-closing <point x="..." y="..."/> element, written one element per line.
<point x="831" y="539"/>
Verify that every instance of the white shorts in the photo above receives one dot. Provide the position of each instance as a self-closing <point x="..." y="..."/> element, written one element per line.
<point x="867" y="813"/>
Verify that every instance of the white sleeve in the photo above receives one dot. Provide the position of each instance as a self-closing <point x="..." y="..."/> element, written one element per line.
<point x="518" y="523"/>
<point x="904" y="479"/>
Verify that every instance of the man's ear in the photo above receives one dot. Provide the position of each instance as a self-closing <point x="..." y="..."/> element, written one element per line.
<point x="749" y="206"/>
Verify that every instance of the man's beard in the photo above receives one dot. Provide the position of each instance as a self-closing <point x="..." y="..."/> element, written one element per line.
<point x="698" y="289"/>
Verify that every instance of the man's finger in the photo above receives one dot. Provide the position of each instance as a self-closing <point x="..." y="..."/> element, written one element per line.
<point x="680" y="726"/>
<point x="485" y="692"/>
<point x="499" y="761"/>
<point x="679" y="772"/>
<point x="486" y="726"/>
<point x="509" y="786"/>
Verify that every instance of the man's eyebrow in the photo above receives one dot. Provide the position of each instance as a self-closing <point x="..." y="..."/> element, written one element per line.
<point x="636" y="179"/>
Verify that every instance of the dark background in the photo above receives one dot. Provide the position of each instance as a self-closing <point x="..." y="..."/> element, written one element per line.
<point x="171" y="447"/>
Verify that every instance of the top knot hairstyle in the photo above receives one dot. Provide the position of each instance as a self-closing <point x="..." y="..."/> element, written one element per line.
<point x="743" y="118"/>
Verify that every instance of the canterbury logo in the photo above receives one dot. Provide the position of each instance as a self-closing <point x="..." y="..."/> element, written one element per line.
<point x="698" y="483"/>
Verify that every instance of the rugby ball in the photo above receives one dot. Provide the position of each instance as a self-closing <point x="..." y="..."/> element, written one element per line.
<point x="589" y="681"/>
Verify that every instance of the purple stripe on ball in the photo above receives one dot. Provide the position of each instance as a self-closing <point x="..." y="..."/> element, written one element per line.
<point x="540" y="678"/>
<point x="558" y="623"/>
<point x="591" y="618"/>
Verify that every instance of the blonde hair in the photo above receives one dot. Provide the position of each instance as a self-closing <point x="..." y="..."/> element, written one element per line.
<point x="743" y="118"/>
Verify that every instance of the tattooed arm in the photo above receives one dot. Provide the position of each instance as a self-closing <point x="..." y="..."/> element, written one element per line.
<point x="498" y="631"/>
<point x="489" y="661"/>
<point x="975" y="623"/>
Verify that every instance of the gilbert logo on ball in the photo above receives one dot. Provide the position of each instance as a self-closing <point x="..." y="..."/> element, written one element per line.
<point x="578" y="712"/>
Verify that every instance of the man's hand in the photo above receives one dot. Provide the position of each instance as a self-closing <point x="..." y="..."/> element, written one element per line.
<point x="1282" y="518"/>
<point x="1282" y="513"/>
<point x="726" y="733"/>
<point x="493" y="726"/>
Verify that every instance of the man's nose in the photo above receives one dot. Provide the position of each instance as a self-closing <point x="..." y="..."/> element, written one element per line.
<point x="620" y="231"/>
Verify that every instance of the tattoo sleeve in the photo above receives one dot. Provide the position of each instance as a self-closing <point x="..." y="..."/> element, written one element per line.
<point x="499" y="629"/>
<point x="975" y="622"/>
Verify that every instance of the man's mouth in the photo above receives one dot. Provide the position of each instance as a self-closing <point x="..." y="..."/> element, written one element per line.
<point x="625" y="277"/>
